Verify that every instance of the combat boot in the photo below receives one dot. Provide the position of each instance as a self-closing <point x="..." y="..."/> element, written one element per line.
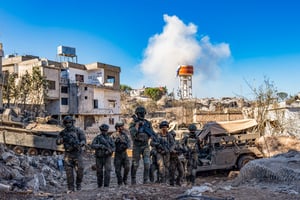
<point x="178" y="182"/>
<point x="133" y="181"/>
<point x="78" y="186"/>
<point x="125" y="181"/>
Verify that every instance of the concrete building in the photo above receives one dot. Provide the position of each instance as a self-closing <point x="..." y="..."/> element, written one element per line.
<point x="90" y="93"/>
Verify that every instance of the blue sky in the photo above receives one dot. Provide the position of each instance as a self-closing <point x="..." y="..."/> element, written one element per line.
<point x="229" y="42"/>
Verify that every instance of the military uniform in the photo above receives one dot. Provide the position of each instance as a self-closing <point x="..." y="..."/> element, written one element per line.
<point x="191" y="145"/>
<point x="104" y="147"/>
<point x="140" y="144"/>
<point x="176" y="166"/>
<point x="121" y="159"/>
<point x="163" y="145"/>
<point x="73" y="139"/>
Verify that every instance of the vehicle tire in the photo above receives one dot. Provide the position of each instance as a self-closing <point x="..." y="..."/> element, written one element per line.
<point x="18" y="150"/>
<point x="46" y="153"/>
<point x="243" y="160"/>
<point x="32" y="151"/>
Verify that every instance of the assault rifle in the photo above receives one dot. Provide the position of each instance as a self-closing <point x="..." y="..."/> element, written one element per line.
<point x="72" y="142"/>
<point x="163" y="145"/>
<point x="106" y="146"/>
<point x="144" y="129"/>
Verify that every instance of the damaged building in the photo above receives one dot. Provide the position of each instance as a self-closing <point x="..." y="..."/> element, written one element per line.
<point x="88" y="92"/>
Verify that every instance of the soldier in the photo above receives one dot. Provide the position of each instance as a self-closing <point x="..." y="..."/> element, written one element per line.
<point x="121" y="159"/>
<point x="104" y="146"/>
<point x="73" y="140"/>
<point x="191" y="144"/>
<point x="176" y="162"/>
<point x="164" y="144"/>
<point x="139" y="130"/>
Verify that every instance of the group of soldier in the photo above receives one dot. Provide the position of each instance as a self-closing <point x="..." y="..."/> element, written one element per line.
<point x="164" y="157"/>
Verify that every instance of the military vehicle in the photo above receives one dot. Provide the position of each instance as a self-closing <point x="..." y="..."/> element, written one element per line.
<point x="32" y="138"/>
<point x="227" y="145"/>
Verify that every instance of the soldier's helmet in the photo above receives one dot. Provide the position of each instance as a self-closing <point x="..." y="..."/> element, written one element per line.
<point x="192" y="128"/>
<point x="104" y="127"/>
<point x="68" y="121"/>
<point x="164" y="124"/>
<point x="140" y="111"/>
<point x="119" y="124"/>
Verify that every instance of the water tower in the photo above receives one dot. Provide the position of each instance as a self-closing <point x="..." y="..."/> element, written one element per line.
<point x="185" y="73"/>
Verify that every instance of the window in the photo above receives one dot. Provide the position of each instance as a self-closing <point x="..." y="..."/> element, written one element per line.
<point x="95" y="103"/>
<point x="79" y="78"/>
<point x="85" y="88"/>
<point x="111" y="121"/>
<point x="111" y="103"/>
<point x="64" y="89"/>
<point x="110" y="79"/>
<point x="51" y="85"/>
<point x="85" y="97"/>
<point x="64" y="101"/>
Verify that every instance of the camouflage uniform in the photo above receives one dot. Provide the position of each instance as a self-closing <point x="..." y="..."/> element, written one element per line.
<point x="176" y="163"/>
<point x="191" y="145"/>
<point x="73" y="139"/>
<point x="140" y="144"/>
<point x="163" y="144"/>
<point x="104" y="146"/>
<point x="121" y="159"/>
<point x="153" y="166"/>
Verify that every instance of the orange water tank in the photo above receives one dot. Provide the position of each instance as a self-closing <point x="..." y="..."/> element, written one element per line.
<point x="186" y="70"/>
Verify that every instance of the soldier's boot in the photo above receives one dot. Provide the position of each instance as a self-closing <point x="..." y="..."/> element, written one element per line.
<point x="70" y="188"/>
<point x="146" y="174"/>
<point x="178" y="182"/>
<point x="192" y="179"/>
<point x="78" y="186"/>
<point x="151" y="173"/>
<point x="125" y="180"/>
<point x="133" y="181"/>
<point x="106" y="181"/>
<point x="133" y="174"/>
<point x="188" y="179"/>
<point x="119" y="179"/>
<point x="161" y="178"/>
<point x="120" y="182"/>
<point x="100" y="183"/>
<point x="172" y="180"/>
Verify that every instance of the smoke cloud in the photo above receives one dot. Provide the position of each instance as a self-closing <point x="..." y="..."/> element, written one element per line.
<point x="179" y="44"/>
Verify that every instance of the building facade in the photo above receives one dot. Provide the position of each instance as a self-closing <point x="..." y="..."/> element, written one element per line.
<point x="90" y="93"/>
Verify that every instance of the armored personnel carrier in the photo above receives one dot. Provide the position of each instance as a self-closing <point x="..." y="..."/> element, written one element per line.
<point x="227" y="145"/>
<point x="32" y="138"/>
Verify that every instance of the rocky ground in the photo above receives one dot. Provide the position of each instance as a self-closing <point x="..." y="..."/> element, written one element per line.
<point x="278" y="177"/>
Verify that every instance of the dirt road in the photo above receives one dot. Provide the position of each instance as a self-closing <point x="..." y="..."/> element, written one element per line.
<point x="212" y="186"/>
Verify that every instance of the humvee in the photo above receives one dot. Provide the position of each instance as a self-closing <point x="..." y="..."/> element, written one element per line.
<point x="227" y="145"/>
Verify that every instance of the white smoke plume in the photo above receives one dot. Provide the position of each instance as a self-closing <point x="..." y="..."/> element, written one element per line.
<point x="178" y="44"/>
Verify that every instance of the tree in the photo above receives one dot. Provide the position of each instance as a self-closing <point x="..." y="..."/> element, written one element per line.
<point x="25" y="88"/>
<point x="266" y="97"/>
<point x="10" y="92"/>
<point x="125" y="88"/>
<point x="29" y="89"/>
<point x="155" y="93"/>
<point x="39" y="90"/>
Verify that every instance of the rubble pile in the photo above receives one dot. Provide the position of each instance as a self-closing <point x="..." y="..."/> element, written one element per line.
<point x="29" y="173"/>
<point x="282" y="170"/>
